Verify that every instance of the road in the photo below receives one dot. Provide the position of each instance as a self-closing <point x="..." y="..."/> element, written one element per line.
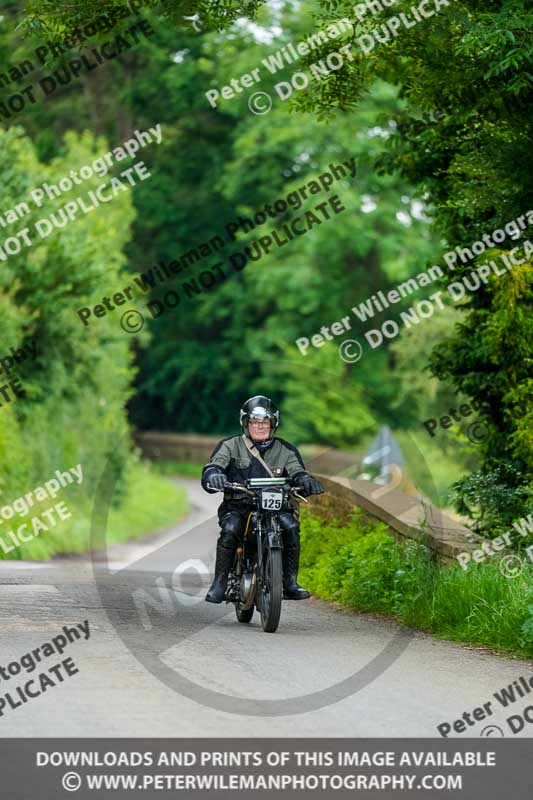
<point x="162" y="662"/>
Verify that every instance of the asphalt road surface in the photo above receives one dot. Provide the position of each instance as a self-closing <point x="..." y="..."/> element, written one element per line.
<point x="162" y="662"/>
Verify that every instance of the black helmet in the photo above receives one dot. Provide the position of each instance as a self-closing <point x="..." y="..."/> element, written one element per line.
<point x="259" y="406"/>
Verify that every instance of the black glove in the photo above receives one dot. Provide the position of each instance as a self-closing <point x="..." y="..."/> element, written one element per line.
<point x="217" y="481"/>
<point x="311" y="485"/>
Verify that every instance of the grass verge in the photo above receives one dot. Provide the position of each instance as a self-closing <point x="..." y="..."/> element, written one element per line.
<point x="149" y="502"/>
<point x="362" y="566"/>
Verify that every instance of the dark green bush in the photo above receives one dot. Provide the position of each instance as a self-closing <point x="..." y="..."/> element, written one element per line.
<point x="494" y="499"/>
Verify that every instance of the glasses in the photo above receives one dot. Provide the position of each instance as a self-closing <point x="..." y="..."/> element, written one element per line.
<point x="260" y="423"/>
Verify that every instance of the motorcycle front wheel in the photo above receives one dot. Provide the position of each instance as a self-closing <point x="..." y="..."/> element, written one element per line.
<point x="271" y="591"/>
<point x="243" y="615"/>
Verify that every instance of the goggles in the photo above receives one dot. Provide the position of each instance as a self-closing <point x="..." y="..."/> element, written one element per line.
<point x="263" y="421"/>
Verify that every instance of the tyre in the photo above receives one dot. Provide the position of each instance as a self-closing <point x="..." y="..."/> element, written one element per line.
<point x="271" y="591"/>
<point x="243" y="615"/>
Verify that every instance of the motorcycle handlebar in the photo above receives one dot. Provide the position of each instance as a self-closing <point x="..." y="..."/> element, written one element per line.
<point x="239" y="486"/>
<point x="294" y="490"/>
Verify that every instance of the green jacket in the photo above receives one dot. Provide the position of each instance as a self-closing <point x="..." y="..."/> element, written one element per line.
<point x="232" y="458"/>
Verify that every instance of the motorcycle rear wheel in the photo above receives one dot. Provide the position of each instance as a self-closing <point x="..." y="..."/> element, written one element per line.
<point x="271" y="591"/>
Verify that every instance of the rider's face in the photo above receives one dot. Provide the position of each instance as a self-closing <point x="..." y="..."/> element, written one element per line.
<point x="259" y="429"/>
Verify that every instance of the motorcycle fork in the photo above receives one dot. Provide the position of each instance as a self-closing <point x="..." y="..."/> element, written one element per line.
<point x="274" y="542"/>
<point x="259" y="563"/>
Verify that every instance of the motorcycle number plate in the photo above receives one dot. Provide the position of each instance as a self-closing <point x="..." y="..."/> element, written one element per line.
<point x="271" y="501"/>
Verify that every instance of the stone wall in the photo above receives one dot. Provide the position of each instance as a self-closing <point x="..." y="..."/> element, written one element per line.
<point x="407" y="516"/>
<point x="192" y="448"/>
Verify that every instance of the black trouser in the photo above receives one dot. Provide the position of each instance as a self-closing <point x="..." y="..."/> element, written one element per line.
<point x="233" y="524"/>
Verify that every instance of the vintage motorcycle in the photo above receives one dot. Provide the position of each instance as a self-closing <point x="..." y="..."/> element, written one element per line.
<point x="256" y="578"/>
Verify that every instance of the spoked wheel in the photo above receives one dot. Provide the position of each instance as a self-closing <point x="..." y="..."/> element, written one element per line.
<point x="243" y="615"/>
<point x="271" y="591"/>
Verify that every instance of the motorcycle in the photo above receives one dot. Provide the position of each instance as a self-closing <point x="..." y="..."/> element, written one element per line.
<point x="256" y="578"/>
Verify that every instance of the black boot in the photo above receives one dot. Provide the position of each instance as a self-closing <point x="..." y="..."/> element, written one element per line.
<point x="224" y="562"/>
<point x="291" y="561"/>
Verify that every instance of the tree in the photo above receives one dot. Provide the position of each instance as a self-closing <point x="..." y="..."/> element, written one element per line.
<point x="461" y="136"/>
<point x="230" y="338"/>
<point x="472" y="64"/>
<point x="71" y="408"/>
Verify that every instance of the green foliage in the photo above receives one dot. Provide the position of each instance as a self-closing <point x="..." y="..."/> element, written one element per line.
<point x="362" y="566"/>
<point x="494" y="500"/>
<point x="235" y="163"/>
<point x="472" y="63"/>
<point x="480" y="606"/>
<point x="467" y="166"/>
<point x="527" y="627"/>
<point x="60" y="16"/>
<point x="489" y="358"/>
<point x="421" y="395"/>
<point x="182" y="469"/>
<point x="359" y="564"/>
<point x="323" y="402"/>
<point x="250" y="323"/>
<point x="71" y="408"/>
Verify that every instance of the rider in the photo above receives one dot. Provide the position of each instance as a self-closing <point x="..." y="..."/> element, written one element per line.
<point x="238" y="458"/>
